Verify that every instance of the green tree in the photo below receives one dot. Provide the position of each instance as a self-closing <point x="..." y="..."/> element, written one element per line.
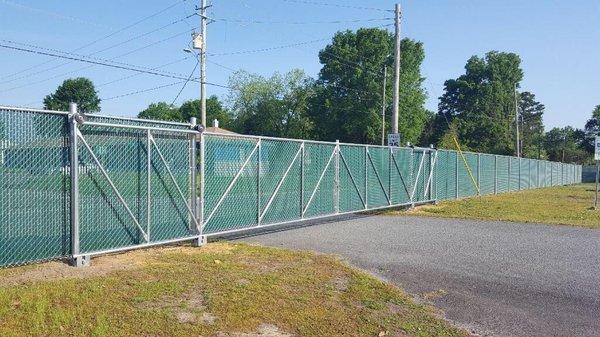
<point x="483" y="102"/>
<point x="565" y="145"/>
<point x="532" y="126"/>
<point x="161" y="111"/>
<point x="274" y="106"/>
<point x="592" y="129"/>
<point x="347" y="101"/>
<point x="214" y="110"/>
<point x="74" y="90"/>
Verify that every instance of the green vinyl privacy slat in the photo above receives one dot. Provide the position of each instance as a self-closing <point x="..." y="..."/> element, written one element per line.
<point x="243" y="182"/>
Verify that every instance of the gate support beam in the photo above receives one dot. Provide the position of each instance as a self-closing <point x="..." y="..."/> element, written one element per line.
<point x="76" y="260"/>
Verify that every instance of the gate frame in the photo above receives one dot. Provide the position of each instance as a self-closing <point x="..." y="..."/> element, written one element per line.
<point x="79" y="259"/>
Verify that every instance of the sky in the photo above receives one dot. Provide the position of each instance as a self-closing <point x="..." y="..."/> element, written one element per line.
<point x="558" y="41"/>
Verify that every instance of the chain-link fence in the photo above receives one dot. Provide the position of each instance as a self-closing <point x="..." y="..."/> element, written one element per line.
<point x="75" y="186"/>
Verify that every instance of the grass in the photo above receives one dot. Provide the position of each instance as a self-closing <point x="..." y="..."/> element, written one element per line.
<point x="219" y="290"/>
<point x="564" y="205"/>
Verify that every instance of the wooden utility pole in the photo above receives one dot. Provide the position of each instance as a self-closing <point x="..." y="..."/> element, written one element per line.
<point x="203" y="23"/>
<point x="517" y="123"/>
<point x="396" y="71"/>
<point x="383" y="100"/>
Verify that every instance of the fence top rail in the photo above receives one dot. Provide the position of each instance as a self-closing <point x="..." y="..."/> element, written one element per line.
<point x="233" y="135"/>
<point x="139" y="120"/>
<point x="140" y="127"/>
<point x="24" y="109"/>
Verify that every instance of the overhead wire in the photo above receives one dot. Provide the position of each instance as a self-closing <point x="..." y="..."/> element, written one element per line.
<point x="298" y="22"/>
<point x="106" y="64"/>
<point x="142" y="91"/>
<point x="105" y="36"/>
<point x="186" y="82"/>
<point x="56" y="15"/>
<point x="337" y="5"/>
<point x="93" y="53"/>
<point x="90" y="66"/>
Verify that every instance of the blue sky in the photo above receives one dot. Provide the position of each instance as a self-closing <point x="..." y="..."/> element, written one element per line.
<point x="558" y="41"/>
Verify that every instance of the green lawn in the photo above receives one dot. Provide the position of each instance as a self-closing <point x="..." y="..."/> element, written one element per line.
<point x="218" y="290"/>
<point x="564" y="205"/>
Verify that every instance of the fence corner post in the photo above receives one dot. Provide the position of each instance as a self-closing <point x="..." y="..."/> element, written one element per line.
<point x="76" y="259"/>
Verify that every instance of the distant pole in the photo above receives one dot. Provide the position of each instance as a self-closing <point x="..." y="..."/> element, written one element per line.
<point x="383" y="106"/>
<point x="517" y="123"/>
<point x="396" y="72"/>
<point x="203" y="63"/>
<point x="597" y="174"/>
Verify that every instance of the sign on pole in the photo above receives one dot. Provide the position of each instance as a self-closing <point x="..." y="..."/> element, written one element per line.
<point x="394" y="139"/>
<point x="597" y="148"/>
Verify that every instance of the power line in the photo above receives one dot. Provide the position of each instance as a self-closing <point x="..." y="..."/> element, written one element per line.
<point x="186" y="82"/>
<point x="103" y="37"/>
<point x="336" y="5"/>
<point x="91" y="66"/>
<point x="251" y="51"/>
<point x="298" y="22"/>
<point x="89" y="55"/>
<point x="92" y="62"/>
<point x="137" y="74"/>
<point x="142" y="91"/>
<point x="87" y="22"/>
<point x="163" y="86"/>
<point x="222" y="66"/>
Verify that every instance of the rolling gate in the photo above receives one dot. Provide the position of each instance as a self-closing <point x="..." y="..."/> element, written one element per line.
<point x="75" y="186"/>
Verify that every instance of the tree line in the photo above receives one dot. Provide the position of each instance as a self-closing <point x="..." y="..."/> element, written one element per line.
<point x="345" y="102"/>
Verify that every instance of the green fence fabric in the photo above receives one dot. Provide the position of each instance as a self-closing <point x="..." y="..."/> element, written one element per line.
<point x="161" y="212"/>
<point x="136" y="177"/>
<point x="34" y="187"/>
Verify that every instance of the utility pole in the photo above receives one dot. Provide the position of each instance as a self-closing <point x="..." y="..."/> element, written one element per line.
<point x="517" y="123"/>
<point x="383" y="106"/>
<point x="203" y="24"/>
<point x="396" y="72"/>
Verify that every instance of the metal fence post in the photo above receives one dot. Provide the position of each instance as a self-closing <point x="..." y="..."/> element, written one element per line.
<point x="390" y="173"/>
<point x="366" y="177"/>
<point x="456" y="174"/>
<point x="479" y="174"/>
<point x="149" y="183"/>
<point x="201" y="199"/>
<point x="337" y="177"/>
<point x="302" y="160"/>
<point x="193" y="180"/>
<point x="495" y="174"/>
<point x="538" y="174"/>
<point x="519" y="173"/>
<point x="258" y="191"/>
<point x="77" y="261"/>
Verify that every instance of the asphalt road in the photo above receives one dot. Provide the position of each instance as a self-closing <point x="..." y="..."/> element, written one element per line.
<point x="494" y="278"/>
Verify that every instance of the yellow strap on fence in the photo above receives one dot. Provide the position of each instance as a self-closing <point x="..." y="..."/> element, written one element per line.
<point x="467" y="165"/>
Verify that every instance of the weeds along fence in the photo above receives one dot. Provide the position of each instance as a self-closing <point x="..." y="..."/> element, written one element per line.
<point x="73" y="186"/>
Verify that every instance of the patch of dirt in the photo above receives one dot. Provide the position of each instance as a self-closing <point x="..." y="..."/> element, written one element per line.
<point x="185" y="317"/>
<point x="188" y="308"/>
<point x="341" y="283"/>
<point x="103" y="265"/>
<point x="262" y="266"/>
<point x="60" y="270"/>
<point x="396" y="309"/>
<point x="243" y="282"/>
<point x="435" y="294"/>
<point x="208" y="318"/>
<point x="264" y="330"/>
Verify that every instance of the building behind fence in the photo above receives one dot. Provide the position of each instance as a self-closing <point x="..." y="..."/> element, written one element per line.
<point x="73" y="187"/>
